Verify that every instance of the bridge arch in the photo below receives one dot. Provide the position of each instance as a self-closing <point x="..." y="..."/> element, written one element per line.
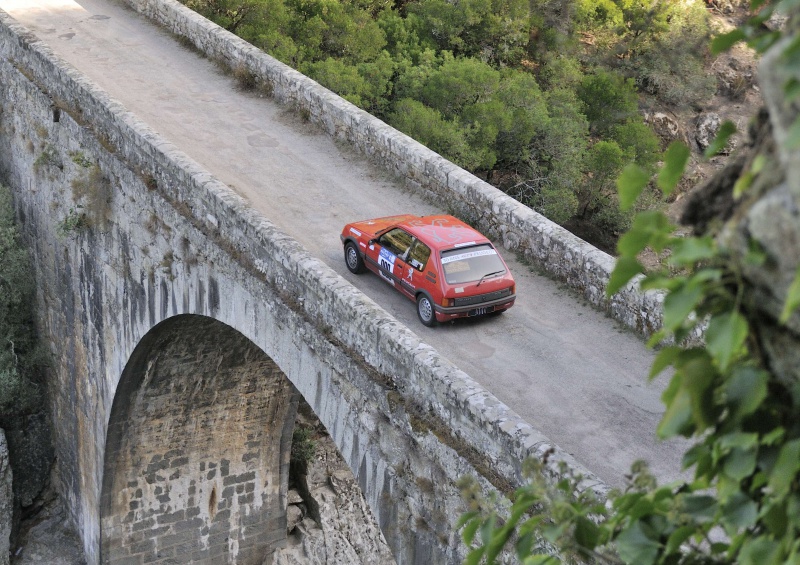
<point x="198" y="448"/>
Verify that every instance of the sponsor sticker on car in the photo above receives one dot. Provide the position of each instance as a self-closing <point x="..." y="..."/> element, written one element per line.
<point x="468" y="255"/>
<point x="386" y="261"/>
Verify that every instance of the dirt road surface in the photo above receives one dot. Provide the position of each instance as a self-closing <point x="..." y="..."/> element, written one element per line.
<point x="567" y="369"/>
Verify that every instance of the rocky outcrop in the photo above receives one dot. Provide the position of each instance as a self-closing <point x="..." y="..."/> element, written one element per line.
<point x="330" y="522"/>
<point x="50" y="537"/>
<point x="665" y="127"/>
<point x="765" y="217"/>
<point x="707" y="128"/>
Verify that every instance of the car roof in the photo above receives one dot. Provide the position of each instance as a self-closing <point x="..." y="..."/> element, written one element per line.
<point x="443" y="231"/>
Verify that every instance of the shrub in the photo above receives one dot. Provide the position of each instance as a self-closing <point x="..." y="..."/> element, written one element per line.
<point x="303" y="447"/>
<point x="494" y="31"/>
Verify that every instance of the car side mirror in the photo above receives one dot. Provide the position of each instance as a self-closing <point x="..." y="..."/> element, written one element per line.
<point x="372" y="242"/>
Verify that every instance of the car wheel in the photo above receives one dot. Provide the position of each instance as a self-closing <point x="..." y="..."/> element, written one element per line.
<point x="352" y="258"/>
<point x="425" y="311"/>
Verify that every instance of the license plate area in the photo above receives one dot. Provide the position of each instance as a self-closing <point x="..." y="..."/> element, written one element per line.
<point x="480" y="311"/>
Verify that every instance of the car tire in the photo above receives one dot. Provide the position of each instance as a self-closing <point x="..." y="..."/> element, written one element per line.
<point x="425" y="311"/>
<point x="352" y="258"/>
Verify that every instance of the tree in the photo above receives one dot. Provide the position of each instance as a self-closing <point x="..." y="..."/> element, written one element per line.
<point x="638" y="142"/>
<point x="431" y="128"/>
<point x="494" y="31"/>
<point x="366" y="85"/>
<point x="736" y="392"/>
<point x="555" y="163"/>
<point x="608" y="99"/>
<point x="528" y="116"/>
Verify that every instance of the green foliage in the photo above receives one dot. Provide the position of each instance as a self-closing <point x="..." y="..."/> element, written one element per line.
<point x="457" y="85"/>
<point x="73" y="222"/>
<point x="609" y="99"/>
<point x="557" y="152"/>
<point x="303" y="446"/>
<point x="591" y="14"/>
<point x="525" y="117"/>
<point x="746" y="455"/>
<point x="597" y="194"/>
<point x="670" y="64"/>
<point x="81" y="160"/>
<point x="366" y="85"/>
<point x="499" y="86"/>
<point x="496" y="31"/>
<point x="637" y="141"/>
<point x="555" y="201"/>
<point x="20" y="360"/>
<point x="48" y="158"/>
<point x="431" y="128"/>
<point x="560" y="71"/>
<point x="661" y="46"/>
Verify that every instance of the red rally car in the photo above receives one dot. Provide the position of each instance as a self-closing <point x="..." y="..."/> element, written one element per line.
<point x="449" y="269"/>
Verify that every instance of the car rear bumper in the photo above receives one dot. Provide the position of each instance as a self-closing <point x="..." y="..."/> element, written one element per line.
<point x="444" y="314"/>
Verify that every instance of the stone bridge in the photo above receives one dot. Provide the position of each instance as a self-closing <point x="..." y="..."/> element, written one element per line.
<point x="183" y="328"/>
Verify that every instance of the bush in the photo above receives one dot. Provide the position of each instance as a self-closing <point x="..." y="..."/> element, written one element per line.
<point x="638" y="142"/>
<point x="527" y="116"/>
<point x="303" y="447"/>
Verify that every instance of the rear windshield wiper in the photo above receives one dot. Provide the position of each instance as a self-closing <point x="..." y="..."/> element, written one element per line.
<point x="487" y="275"/>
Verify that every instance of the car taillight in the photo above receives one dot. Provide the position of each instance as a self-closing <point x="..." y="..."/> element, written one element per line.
<point x="513" y="289"/>
<point x="447" y="302"/>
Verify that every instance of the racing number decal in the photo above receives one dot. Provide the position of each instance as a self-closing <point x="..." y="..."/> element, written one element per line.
<point x="386" y="261"/>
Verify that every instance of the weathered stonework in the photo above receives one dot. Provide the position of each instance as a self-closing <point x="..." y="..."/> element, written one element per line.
<point x="548" y="245"/>
<point x="198" y="449"/>
<point x="160" y="239"/>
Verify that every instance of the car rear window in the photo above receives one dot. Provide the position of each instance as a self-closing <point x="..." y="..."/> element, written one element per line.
<point x="469" y="264"/>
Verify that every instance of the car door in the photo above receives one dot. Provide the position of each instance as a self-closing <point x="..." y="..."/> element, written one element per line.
<point x="418" y="275"/>
<point x="392" y="248"/>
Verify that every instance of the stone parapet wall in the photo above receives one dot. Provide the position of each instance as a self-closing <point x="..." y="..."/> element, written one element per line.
<point x="421" y="402"/>
<point x="554" y="249"/>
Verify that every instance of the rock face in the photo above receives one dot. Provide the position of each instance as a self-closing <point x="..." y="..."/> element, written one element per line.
<point x="766" y="217"/>
<point x="342" y="529"/>
<point x="52" y="539"/>
<point x="6" y="501"/>
<point x="665" y="127"/>
<point x="708" y="125"/>
<point x="31" y="449"/>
